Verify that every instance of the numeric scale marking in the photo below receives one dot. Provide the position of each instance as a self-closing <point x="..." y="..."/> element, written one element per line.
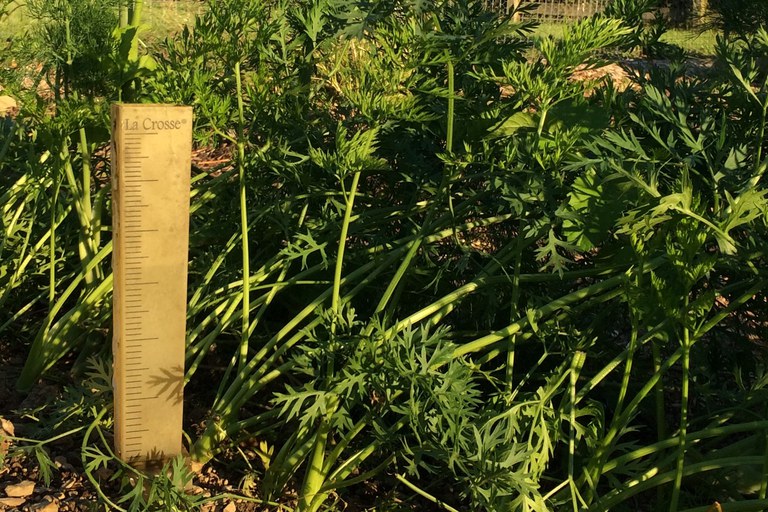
<point x="151" y="160"/>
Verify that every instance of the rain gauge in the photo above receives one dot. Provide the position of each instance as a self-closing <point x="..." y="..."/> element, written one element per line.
<point x="151" y="159"/>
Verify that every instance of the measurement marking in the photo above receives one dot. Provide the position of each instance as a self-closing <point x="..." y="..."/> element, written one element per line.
<point x="144" y="230"/>
<point x="137" y="257"/>
<point x="145" y="339"/>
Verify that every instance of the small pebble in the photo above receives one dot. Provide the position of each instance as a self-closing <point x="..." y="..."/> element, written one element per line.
<point x="7" y="104"/>
<point x="9" y="503"/>
<point x="20" y="490"/>
<point x="62" y="463"/>
<point x="231" y="507"/>
<point x="47" y="505"/>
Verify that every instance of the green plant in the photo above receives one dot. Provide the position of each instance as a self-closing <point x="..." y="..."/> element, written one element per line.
<point x="435" y="259"/>
<point x="739" y="18"/>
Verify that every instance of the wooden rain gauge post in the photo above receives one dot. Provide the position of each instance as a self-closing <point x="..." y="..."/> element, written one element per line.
<point x="151" y="159"/>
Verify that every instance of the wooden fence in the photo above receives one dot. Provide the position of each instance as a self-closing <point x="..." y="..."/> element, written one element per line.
<point x="556" y="11"/>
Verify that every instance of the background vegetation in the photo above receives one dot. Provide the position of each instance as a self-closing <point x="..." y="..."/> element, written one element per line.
<point x="434" y="264"/>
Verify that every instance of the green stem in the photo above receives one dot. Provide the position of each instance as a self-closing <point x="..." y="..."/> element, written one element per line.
<point x="92" y="227"/>
<point x="576" y="365"/>
<point x="350" y="201"/>
<point x="661" y="422"/>
<point x="651" y="450"/>
<point x="84" y="459"/>
<point x="628" y="366"/>
<point x="686" y="342"/>
<point x="443" y="189"/>
<point x="82" y="208"/>
<point x="595" y="469"/>
<point x="510" y="366"/>
<point x="52" y="248"/>
<point x="245" y="326"/>
<point x="451" y="108"/>
<point x="542" y="312"/>
<point x="653" y="478"/>
<point x="311" y="497"/>
<point x="421" y="492"/>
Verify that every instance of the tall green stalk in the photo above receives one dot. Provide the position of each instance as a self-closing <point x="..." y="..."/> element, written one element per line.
<point x="350" y="202"/>
<point x="577" y="363"/>
<point x="394" y="283"/>
<point x="659" y="401"/>
<point x="686" y="357"/>
<point x="245" y="327"/>
<point x="311" y="496"/>
<point x="130" y="16"/>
